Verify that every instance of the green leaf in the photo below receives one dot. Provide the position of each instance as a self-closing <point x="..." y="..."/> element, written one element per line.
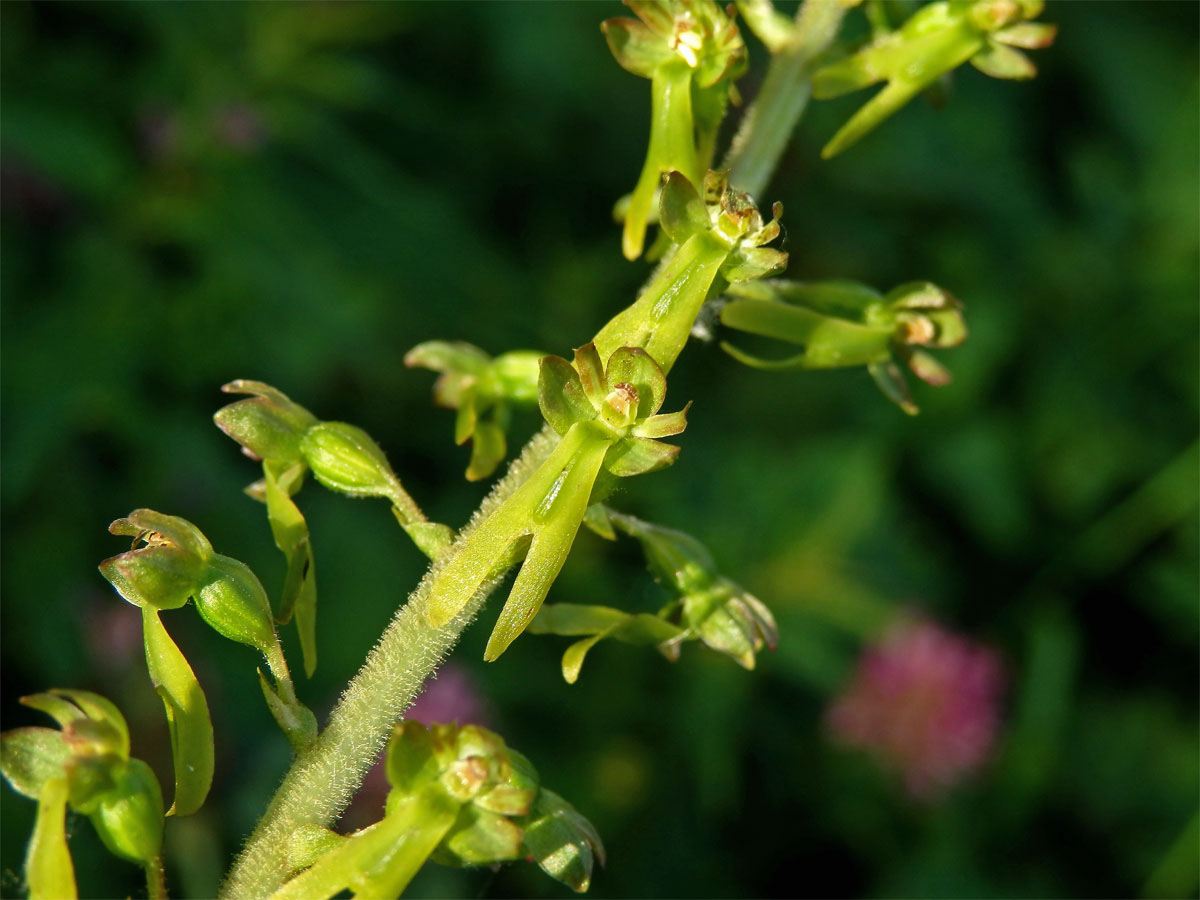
<point x="29" y="757"/>
<point x="290" y="531"/>
<point x="187" y="716"/>
<point x="563" y="843"/>
<point x="561" y="395"/>
<point x="560" y="513"/>
<point x="48" y="868"/>
<point x="638" y="456"/>
<point x="294" y="719"/>
<point x="634" y="366"/>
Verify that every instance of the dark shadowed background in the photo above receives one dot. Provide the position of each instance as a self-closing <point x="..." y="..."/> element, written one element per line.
<point x="299" y="193"/>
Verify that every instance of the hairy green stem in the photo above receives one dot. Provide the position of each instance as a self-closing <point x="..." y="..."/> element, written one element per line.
<point x="323" y="779"/>
<point x="156" y="880"/>
<point x="771" y="119"/>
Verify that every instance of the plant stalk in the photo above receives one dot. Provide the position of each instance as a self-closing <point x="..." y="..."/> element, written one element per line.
<point x="772" y="118"/>
<point x="322" y="780"/>
<point x="156" y="879"/>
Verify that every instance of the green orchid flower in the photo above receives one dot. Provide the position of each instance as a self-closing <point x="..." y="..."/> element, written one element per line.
<point x="460" y="797"/>
<point x="692" y="52"/>
<point x="85" y="767"/>
<point x="482" y="389"/>
<point x="937" y="39"/>
<point x="608" y="418"/>
<point x="842" y="323"/>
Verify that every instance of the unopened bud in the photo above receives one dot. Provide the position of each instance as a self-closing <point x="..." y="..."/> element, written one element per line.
<point x="344" y="458"/>
<point x="269" y="425"/>
<point x="234" y="603"/>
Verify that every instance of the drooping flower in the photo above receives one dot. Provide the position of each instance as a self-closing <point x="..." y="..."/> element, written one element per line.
<point x="925" y="702"/>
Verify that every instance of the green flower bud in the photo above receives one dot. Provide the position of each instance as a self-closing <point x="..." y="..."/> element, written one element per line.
<point x="169" y="566"/>
<point x="129" y="817"/>
<point x="345" y="459"/>
<point x="269" y="426"/>
<point x="481" y="389"/>
<point x="234" y="603"/>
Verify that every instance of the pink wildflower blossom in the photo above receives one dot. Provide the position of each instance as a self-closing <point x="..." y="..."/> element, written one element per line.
<point x="926" y="702"/>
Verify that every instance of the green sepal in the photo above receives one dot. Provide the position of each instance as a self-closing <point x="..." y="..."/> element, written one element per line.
<point x="890" y="379"/>
<point x="129" y="818"/>
<point x="750" y="263"/>
<point x="479" y="837"/>
<point x="86" y="718"/>
<point x="32" y="756"/>
<point x="561" y="395"/>
<point x="268" y="426"/>
<point x="294" y="719"/>
<point x="562" y="842"/>
<point x="596" y="518"/>
<point x="412" y="760"/>
<point x="234" y="604"/>
<point x="639" y="456"/>
<point x="291" y="535"/>
<point x="187" y="713"/>
<point x="49" y="871"/>
<point x="1027" y="35"/>
<point x="460" y="364"/>
<point x="663" y="425"/>
<point x="344" y="458"/>
<point x="638" y="49"/>
<point x="682" y="212"/>
<point x="1000" y="61"/>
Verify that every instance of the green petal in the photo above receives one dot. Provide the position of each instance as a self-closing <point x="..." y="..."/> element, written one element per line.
<point x="891" y="381"/>
<point x="487" y="450"/>
<point x="591" y="374"/>
<point x="188" y="719"/>
<point x="48" y="867"/>
<point x="634" y="366"/>
<point x="664" y="425"/>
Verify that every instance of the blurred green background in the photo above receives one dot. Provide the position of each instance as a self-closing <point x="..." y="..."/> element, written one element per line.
<point x="300" y="192"/>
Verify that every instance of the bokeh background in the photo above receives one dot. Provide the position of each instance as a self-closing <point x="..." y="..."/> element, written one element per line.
<point x="300" y="192"/>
